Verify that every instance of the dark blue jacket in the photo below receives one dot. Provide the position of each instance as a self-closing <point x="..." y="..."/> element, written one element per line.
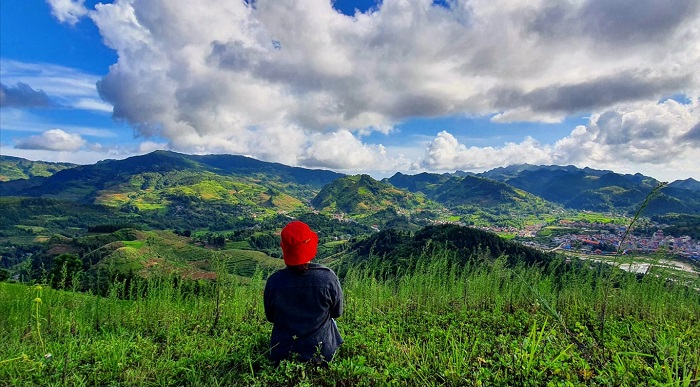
<point x="302" y="308"/>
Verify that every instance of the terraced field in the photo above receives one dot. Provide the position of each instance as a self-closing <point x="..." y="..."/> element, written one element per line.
<point x="246" y="262"/>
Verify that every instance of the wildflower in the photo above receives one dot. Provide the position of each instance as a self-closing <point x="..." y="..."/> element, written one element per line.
<point x="37" y="300"/>
<point x="48" y="356"/>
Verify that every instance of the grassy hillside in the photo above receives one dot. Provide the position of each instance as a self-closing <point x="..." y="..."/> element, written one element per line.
<point x="92" y="262"/>
<point x="475" y="200"/>
<point x="374" y="202"/>
<point x="15" y="168"/>
<point x="393" y="251"/>
<point x="595" y="190"/>
<point x="172" y="190"/>
<point x="437" y="325"/>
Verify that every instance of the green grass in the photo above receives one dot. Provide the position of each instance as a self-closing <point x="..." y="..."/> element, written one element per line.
<point x="334" y="244"/>
<point x="238" y="245"/>
<point x="594" y="217"/>
<point x="134" y="244"/>
<point x="246" y="262"/>
<point x="31" y="229"/>
<point x="507" y="235"/>
<point x="439" y="325"/>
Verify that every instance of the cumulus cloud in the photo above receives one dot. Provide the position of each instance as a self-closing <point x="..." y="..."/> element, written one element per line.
<point x="52" y="140"/>
<point x="643" y="133"/>
<point x="286" y="80"/>
<point x="342" y="150"/>
<point x="657" y="137"/>
<point x="445" y="152"/>
<point x="150" y="146"/>
<point x="23" y="96"/>
<point x="68" y="11"/>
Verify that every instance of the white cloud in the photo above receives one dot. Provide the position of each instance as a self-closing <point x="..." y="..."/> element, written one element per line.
<point x="643" y="136"/>
<point x="68" y="88"/>
<point x="52" y="140"/>
<point x="653" y="138"/>
<point x="87" y="155"/>
<point x="342" y="150"/>
<point x="68" y="11"/>
<point x="150" y="146"/>
<point x="446" y="153"/>
<point x="270" y="80"/>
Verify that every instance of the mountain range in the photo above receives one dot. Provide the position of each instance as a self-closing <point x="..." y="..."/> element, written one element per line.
<point x="171" y="190"/>
<point x="14" y="168"/>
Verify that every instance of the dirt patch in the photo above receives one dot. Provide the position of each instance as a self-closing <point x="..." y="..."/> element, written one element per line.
<point x="206" y="275"/>
<point x="202" y="264"/>
<point x="62" y="249"/>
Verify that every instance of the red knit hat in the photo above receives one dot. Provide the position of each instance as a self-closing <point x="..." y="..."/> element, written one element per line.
<point x="299" y="243"/>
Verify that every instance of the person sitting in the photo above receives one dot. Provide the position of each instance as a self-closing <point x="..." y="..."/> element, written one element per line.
<point x="302" y="301"/>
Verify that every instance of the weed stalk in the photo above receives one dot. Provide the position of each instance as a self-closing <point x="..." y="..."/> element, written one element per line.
<point x="608" y="281"/>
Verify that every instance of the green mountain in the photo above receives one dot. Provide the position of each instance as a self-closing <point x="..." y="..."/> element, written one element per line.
<point x="15" y="168"/>
<point x="154" y="169"/>
<point x="393" y="250"/>
<point x="372" y="201"/>
<point x="689" y="184"/>
<point x="596" y="190"/>
<point x="172" y="190"/>
<point x="470" y="192"/>
<point x="426" y="183"/>
<point x="129" y="253"/>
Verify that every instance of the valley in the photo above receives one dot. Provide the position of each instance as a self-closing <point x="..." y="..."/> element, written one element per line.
<point x="159" y="261"/>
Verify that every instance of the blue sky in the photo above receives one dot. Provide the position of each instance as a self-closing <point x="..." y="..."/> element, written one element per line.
<point x="357" y="86"/>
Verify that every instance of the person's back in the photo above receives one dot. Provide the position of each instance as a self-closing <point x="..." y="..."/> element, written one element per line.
<point x="302" y="300"/>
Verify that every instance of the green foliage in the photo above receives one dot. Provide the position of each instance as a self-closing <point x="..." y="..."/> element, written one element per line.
<point x="368" y="199"/>
<point x="680" y="224"/>
<point x="440" y="324"/>
<point x="15" y="168"/>
<point x="65" y="271"/>
<point x="54" y="215"/>
<point x="393" y="251"/>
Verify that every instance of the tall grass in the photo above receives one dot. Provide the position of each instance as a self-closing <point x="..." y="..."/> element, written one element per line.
<point x="440" y="324"/>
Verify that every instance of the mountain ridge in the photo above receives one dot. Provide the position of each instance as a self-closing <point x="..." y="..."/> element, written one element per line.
<point x="165" y="180"/>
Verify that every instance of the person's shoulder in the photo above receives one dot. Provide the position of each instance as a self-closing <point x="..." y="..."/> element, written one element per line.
<point x="278" y="275"/>
<point x="321" y="270"/>
<point x="318" y="266"/>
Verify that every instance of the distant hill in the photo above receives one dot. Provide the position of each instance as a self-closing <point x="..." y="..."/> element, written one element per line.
<point x="689" y="184"/>
<point x="469" y="191"/>
<point x="165" y="190"/>
<point x="596" y="190"/>
<point x="568" y="186"/>
<point x="370" y="200"/>
<point x="426" y="183"/>
<point x="129" y="253"/>
<point x="16" y="168"/>
<point x="177" y="190"/>
<point x="80" y="182"/>
<point x="392" y="250"/>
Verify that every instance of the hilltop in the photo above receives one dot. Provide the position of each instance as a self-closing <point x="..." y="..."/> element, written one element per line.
<point x="463" y="193"/>
<point x="369" y="201"/>
<point x="599" y="190"/>
<point x="171" y="190"/>
<point x="394" y="251"/>
<point x="16" y="168"/>
<point x="568" y="187"/>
